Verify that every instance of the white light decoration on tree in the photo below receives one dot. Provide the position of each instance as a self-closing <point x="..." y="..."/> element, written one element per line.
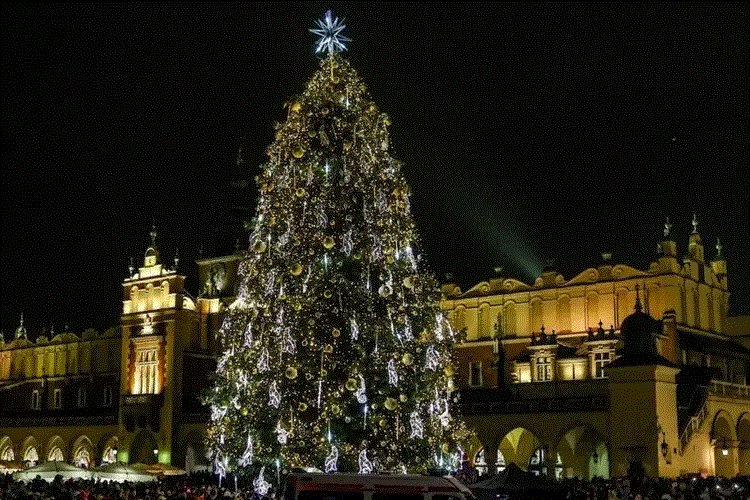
<point x="282" y="435"/>
<point x="361" y="391"/>
<point x="332" y="460"/>
<point x="354" y="329"/>
<point x="274" y="397"/>
<point x="432" y="361"/>
<point x="263" y="361"/>
<point x="417" y="428"/>
<point x="262" y="487"/>
<point x="247" y="455"/>
<point x="392" y="373"/>
<point x="329" y="30"/>
<point x="365" y="466"/>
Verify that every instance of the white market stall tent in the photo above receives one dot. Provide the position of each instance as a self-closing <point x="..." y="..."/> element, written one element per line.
<point x="49" y="470"/>
<point x="118" y="471"/>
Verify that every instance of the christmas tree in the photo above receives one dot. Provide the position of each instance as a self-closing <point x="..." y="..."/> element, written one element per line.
<point x="336" y="354"/>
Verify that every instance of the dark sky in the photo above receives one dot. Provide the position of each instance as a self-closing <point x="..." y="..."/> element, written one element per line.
<point x="527" y="132"/>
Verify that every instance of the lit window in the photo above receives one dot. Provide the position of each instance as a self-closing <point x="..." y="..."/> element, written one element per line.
<point x="475" y="373"/>
<point x="7" y="454"/>
<point x="57" y="399"/>
<point x="601" y="359"/>
<point x="81" y="397"/>
<point x="543" y="368"/>
<point x="146" y="373"/>
<point x="35" y="399"/>
<point x="56" y="455"/>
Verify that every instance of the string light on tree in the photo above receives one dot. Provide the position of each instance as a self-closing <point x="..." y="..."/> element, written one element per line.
<point x="333" y="313"/>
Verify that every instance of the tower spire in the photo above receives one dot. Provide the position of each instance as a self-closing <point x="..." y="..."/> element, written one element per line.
<point x="695" y="223"/>
<point x="667" y="228"/>
<point x="718" y="248"/>
<point x="21" y="330"/>
<point x="152" y="253"/>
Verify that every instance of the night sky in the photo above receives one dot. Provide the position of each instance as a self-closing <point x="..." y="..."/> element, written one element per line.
<point x="527" y="132"/>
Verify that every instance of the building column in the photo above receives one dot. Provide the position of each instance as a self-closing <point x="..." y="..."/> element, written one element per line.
<point x="490" y="457"/>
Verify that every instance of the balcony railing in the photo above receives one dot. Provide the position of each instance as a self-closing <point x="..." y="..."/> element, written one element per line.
<point x="729" y="389"/>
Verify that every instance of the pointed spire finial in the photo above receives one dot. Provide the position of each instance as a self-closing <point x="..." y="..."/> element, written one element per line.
<point x="21" y="322"/>
<point x="51" y="330"/>
<point x="21" y="330"/>
<point x="153" y="233"/>
<point x="176" y="257"/>
<point x="718" y="247"/>
<point x="695" y="223"/>
<point x="131" y="267"/>
<point x="638" y="307"/>
<point x="667" y="228"/>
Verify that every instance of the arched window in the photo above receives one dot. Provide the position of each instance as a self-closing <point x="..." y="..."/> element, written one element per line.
<point x="109" y="456"/>
<point x="623" y="305"/>
<point x="56" y="455"/>
<point x="31" y="456"/>
<point x="592" y="307"/>
<point x="82" y="458"/>
<point x="510" y="319"/>
<point x="459" y="318"/>
<point x="7" y="454"/>
<point x="563" y="314"/>
<point x="485" y="329"/>
<point x="536" y="315"/>
<point x="538" y="463"/>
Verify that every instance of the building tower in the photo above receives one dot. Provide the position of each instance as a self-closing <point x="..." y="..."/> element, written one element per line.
<point x="159" y="322"/>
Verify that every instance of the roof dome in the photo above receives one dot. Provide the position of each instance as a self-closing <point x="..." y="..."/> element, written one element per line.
<point x="639" y="332"/>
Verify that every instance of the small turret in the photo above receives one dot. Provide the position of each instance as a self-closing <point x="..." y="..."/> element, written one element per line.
<point x="21" y="330"/>
<point x="152" y="253"/>
<point x="695" y="245"/>
<point x="667" y="245"/>
<point x="719" y="264"/>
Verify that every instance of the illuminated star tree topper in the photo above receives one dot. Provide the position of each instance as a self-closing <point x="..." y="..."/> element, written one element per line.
<point x="329" y="30"/>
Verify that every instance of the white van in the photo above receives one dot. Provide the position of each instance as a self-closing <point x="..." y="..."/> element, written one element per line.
<point x="316" y="486"/>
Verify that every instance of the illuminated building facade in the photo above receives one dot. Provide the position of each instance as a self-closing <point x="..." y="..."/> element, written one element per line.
<point x="571" y="401"/>
<point x="570" y="404"/>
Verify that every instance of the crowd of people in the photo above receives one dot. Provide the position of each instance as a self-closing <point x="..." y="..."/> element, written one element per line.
<point x="204" y="486"/>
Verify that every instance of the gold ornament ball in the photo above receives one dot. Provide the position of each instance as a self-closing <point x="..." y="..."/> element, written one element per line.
<point x="328" y="242"/>
<point x="297" y="306"/>
<point x="390" y="404"/>
<point x="324" y="111"/>
<point x="382" y="422"/>
<point x="403" y="398"/>
<point x="290" y="373"/>
<point x="296" y="107"/>
<point x="335" y="79"/>
<point x="385" y="291"/>
<point x="301" y="193"/>
<point x="311" y="133"/>
<point x="298" y="152"/>
<point x="407" y="359"/>
<point x="244" y="411"/>
<point x="328" y="294"/>
<point x="296" y="269"/>
<point x="328" y="348"/>
<point x="336" y="332"/>
<point x="335" y="409"/>
<point x="449" y="370"/>
<point x="302" y="406"/>
<point x="408" y="282"/>
<point x="259" y="246"/>
<point x="351" y="384"/>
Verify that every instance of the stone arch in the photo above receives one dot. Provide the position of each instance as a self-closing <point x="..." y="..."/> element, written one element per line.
<point x="82" y="452"/>
<point x="55" y="449"/>
<point x="106" y="448"/>
<point x="29" y="451"/>
<point x="723" y="438"/>
<point x="142" y="448"/>
<point x="518" y="445"/>
<point x="583" y="451"/>
<point x="743" y="444"/>
<point x="192" y="453"/>
<point x="7" y="452"/>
